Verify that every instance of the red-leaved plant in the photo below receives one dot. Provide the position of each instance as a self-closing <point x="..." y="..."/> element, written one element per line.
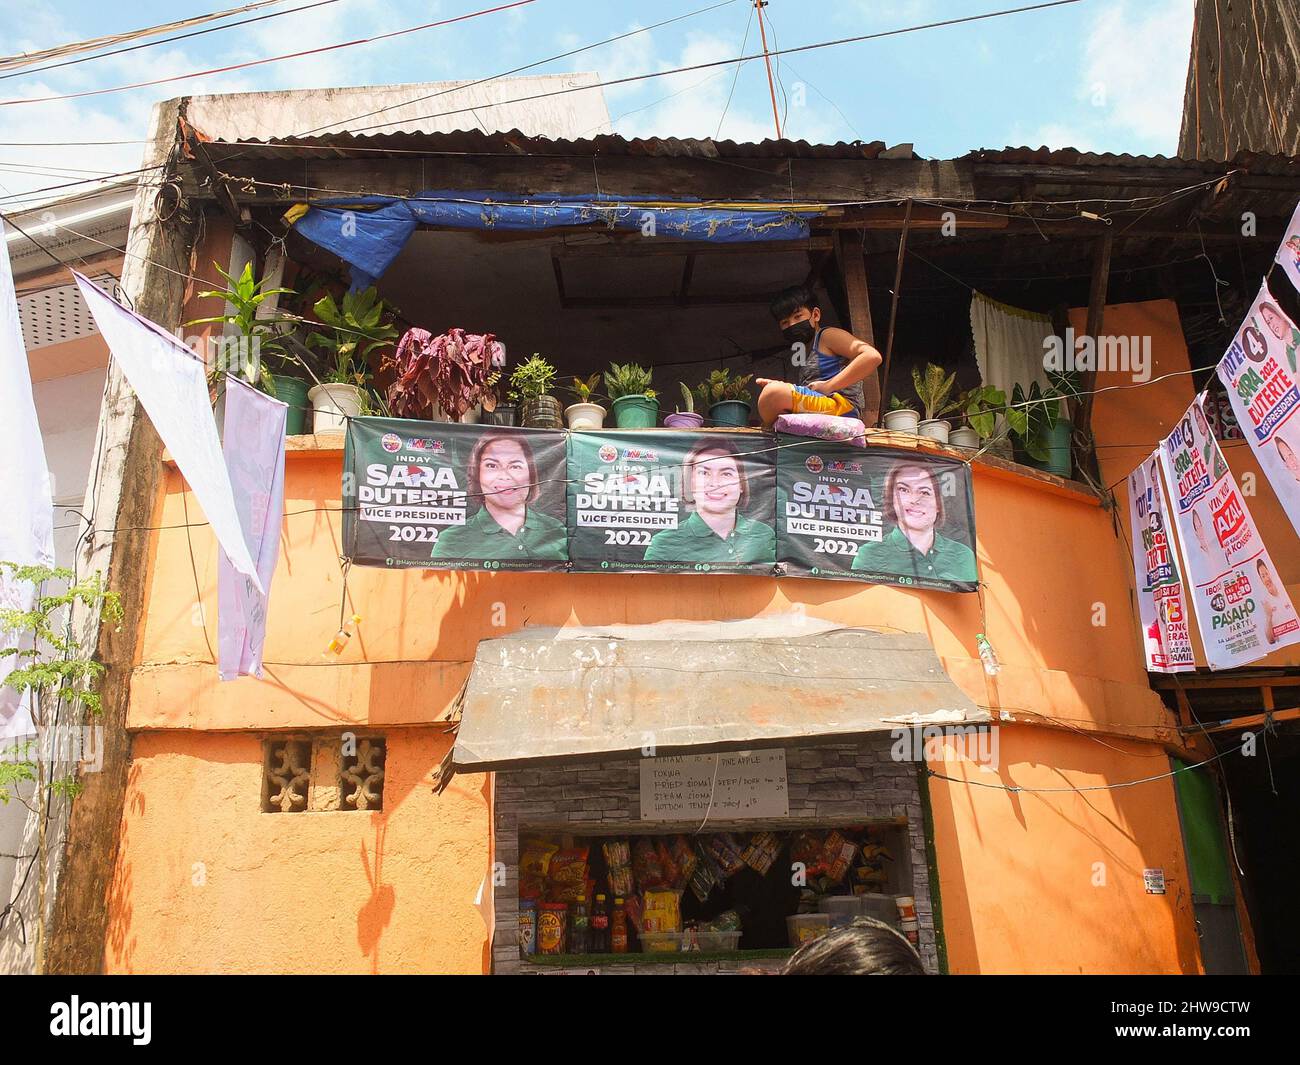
<point x="451" y="371"/>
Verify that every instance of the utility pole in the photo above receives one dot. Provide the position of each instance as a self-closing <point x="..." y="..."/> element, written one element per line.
<point x="771" y="87"/>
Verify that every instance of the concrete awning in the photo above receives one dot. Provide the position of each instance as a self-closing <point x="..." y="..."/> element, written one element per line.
<point x="587" y="693"/>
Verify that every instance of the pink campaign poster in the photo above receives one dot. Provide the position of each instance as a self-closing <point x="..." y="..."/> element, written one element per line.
<point x="1162" y="602"/>
<point x="1241" y="604"/>
<point x="1259" y="374"/>
<point x="1288" y="252"/>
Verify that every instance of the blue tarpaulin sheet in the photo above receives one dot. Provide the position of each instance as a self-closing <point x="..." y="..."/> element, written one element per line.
<point x="370" y="231"/>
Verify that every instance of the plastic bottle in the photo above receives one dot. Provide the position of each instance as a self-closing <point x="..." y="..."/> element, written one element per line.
<point x="598" y="929"/>
<point x="579" y="929"/>
<point x="987" y="655"/>
<point x="618" y="928"/>
<point x="342" y="637"/>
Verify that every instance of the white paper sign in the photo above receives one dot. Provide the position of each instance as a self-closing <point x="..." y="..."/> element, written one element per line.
<point x="27" y="527"/>
<point x="1154" y="879"/>
<point x="1162" y="600"/>
<point x="720" y="787"/>
<point x="1288" y="252"/>
<point x="172" y="385"/>
<point x="1241" y="604"/>
<point x="1260" y="376"/>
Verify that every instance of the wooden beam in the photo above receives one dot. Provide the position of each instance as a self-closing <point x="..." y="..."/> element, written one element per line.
<point x="1247" y="683"/>
<point x="893" y="300"/>
<point x="1248" y="722"/>
<point x="853" y="269"/>
<point x="636" y="246"/>
<point x="1096" y="320"/>
<point x="684" y="287"/>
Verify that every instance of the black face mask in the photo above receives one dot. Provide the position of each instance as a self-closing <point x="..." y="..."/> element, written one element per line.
<point x="800" y="333"/>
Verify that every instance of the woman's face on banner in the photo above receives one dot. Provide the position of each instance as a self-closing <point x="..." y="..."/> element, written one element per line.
<point x="715" y="483"/>
<point x="1274" y="321"/>
<point x="915" y="504"/>
<point x="503" y="474"/>
<point x="1199" y="529"/>
<point x="1288" y="457"/>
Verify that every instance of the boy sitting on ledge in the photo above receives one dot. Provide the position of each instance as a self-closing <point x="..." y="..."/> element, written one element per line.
<point x="831" y="364"/>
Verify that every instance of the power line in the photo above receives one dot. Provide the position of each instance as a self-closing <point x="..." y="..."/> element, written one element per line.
<point x="726" y="62"/>
<point x="169" y="40"/>
<point x="270" y="59"/>
<point x="736" y="76"/>
<point x="25" y="58"/>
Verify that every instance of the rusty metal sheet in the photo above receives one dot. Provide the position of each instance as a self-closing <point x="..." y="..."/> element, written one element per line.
<point x="543" y="695"/>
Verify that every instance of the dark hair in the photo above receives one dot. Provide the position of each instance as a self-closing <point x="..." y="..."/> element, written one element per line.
<point x="485" y="441"/>
<point x="891" y="483"/>
<point x="720" y="449"/>
<point x="789" y="300"/>
<point x="867" y="947"/>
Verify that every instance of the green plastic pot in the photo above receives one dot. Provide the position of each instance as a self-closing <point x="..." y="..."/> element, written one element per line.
<point x="734" y="412"/>
<point x="636" y="412"/>
<point x="293" y="391"/>
<point x="1058" y="449"/>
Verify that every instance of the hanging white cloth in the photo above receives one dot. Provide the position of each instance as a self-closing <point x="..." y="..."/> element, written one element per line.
<point x="27" y="529"/>
<point x="254" y="446"/>
<point x="1010" y="343"/>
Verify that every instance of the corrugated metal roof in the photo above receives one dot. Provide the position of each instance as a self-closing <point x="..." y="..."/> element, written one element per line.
<point x="1255" y="162"/>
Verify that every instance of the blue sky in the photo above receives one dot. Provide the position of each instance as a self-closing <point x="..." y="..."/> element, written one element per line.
<point x="1102" y="75"/>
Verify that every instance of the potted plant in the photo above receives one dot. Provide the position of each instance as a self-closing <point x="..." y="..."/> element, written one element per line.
<point x="504" y="411"/>
<point x="980" y="408"/>
<point x="448" y="377"/>
<point x="357" y="326"/>
<point x="585" y="414"/>
<point x="901" y="417"/>
<point x="258" y="340"/>
<point x="688" y="418"/>
<point x="1042" y="434"/>
<point x="633" y="400"/>
<point x="533" y="379"/>
<point x="934" y="389"/>
<point x="726" y="397"/>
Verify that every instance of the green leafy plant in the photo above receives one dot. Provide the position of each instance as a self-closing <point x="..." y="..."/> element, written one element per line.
<point x="688" y="397"/>
<point x="57" y="677"/>
<point x="627" y="379"/>
<point x="934" y="389"/>
<point x="1033" y="415"/>
<point x="357" y="327"/>
<point x="899" y="404"/>
<point x="533" y="377"/>
<point x="981" y="406"/>
<point x="256" y="337"/>
<point x="720" y="386"/>
<point x="585" y="389"/>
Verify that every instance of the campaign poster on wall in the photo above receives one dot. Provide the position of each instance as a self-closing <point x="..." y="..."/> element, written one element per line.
<point x="438" y="495"/>
<point x="1242" y="607"/>
<point x="1259" y="374"/>
<point x="671" y="502"/>
<point x="1162" y="600"/>
<point x="1288" y="252"/>
<point x="879" y="515"/>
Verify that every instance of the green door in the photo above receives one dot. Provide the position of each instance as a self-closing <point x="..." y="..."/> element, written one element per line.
<point x="1213" y="895"/>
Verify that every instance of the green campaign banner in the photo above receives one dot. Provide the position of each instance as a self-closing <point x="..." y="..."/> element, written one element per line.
<point x="438" y="495"/>
<point x="671" y="502"/>
<point x="871" y="514"/>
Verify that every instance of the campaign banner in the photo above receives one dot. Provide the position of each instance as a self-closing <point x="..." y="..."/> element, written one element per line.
<point x="1241" y="604"/>
<point x="1259" y="374"/>
<point x="671" y="502"/>
<point x="439" y="495"/>
<point x="1288" y="252"/>
<point x="874" y="514"/>
<point x="1162" y="601"/>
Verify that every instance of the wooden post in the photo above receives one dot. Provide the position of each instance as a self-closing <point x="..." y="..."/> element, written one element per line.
<point x="1096" y="322"/>
<point x="893" y="302"/>
<point x="853" y="269"/>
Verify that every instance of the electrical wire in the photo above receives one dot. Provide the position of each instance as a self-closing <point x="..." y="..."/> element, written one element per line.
<point x="94" y="43"/>
<point x="735" y="77"/>
<point x="268" y="59"/>
<point x="169" y="40"/>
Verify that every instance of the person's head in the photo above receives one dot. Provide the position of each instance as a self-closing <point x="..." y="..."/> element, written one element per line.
<point x="1274" y="320"/>
<point x="1198" y="527"/>
<point x="797" y="314"/>
<point x="912" y="498"/>
<point x="1201" y="423"/>
<point x="867" y="947"/>
<point x="1288" y="456"/>
<point x="502" y="474"/>
<point x="1266" y="577"/>
<point x="713" y="480"/>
